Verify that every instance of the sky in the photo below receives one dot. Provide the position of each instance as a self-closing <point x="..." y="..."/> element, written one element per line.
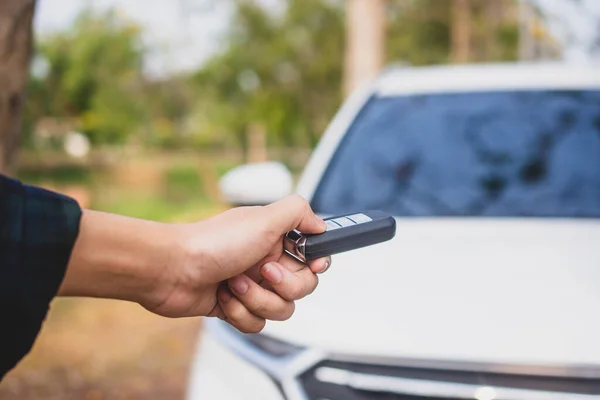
<point x="575" y="26"/>
<point x="184" y="33"/>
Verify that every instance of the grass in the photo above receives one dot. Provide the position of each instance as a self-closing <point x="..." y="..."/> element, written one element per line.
<point x="162" y="191"/>
<point x="157" y="208"/>
<point x="180" y="196"/>
<point x="222" y="167"/>
<point x="56" y="175"/>
<point x="182" y="182"/>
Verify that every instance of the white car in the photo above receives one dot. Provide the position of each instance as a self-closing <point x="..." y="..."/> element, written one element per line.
<point x="491" y="287"/>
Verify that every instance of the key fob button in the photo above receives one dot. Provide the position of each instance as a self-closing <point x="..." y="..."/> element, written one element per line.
<point x="359" y="218"/>
<point x="344" y="222"/>
<point x="331" y="225"/>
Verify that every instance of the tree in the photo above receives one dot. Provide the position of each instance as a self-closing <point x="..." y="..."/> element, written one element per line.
<point x="281" y="71"/>
<point x="284" y="71"/>
<point x="461" y="31"/>
<point x="365" y="41"/>
<point x="16" y="40"/>
<point x="418" y="32"/>
<point x="278" y="71"/>
<point x="95" y="78"/>
<point x="423" y="32"/>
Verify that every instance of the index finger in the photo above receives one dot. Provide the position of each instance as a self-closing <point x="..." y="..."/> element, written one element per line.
<point x="294" y="212"/>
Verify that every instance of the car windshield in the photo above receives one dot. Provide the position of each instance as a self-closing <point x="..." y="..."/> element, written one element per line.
<point x="496" y="154"/>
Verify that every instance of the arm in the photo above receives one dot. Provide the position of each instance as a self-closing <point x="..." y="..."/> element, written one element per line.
<point x="120" y="257"/>
<point x="231" y="266"/>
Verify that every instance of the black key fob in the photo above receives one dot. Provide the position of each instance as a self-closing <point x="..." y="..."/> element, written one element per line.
<point x="344" y="233"/>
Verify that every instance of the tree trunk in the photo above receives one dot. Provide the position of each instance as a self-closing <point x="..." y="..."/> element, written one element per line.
<point x="493" y="16"/>
<point x="365" y="42"/>
<point x="16" y="43"/>
<point x="526" y="39"/>
<point x="461" y="31"/>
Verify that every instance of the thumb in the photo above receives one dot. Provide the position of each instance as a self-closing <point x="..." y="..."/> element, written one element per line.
<point x="294" y="212"/>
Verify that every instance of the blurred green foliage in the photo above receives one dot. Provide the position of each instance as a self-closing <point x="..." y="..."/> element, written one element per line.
<point x="419" y="31"/>
<point x="182" y="182"/>
<point x="181" y="192"/>
<point x="222" y="167"/>
<point x="93" y="78"/>
<point x="94" y="82"/>
<point x="155" y="208"/>
<point x="63" y="174"/>
<point x="282" y="71"/>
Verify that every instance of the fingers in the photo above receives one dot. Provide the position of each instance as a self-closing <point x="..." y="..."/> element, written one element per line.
<point x="216" y="312"/>
<point x="246" y="304"/>
<point x="320" y="265"/>
<point x="260" y="301"/>
<point x="294" y="212"/>
<point x="219" y="314"/>
<point x="238" y="315"/>
<point x="317" y="266"/>
<point x="287" y="284"/>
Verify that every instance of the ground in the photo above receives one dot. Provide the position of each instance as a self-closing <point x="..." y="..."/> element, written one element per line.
<point x="103" y="349"/>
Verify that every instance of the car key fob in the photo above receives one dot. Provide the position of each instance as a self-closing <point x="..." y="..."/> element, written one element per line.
<point x="344" y="233"/>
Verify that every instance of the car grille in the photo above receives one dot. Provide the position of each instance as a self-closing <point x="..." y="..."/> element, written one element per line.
<point x="337" y="380"/>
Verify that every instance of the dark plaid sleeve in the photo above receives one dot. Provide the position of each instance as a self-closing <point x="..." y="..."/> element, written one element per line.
<point x="38" y="229"/>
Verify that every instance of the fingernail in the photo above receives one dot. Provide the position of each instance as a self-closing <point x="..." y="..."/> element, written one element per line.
<point x="224" y="295"/>
<point x="239" y="284"/>
<point x="323" y="223"/>
<point x="271" y="273"/>
<point x="327" y="264"/>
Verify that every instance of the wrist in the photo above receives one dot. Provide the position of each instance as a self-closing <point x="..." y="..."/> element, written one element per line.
<point x="121" y="258"/>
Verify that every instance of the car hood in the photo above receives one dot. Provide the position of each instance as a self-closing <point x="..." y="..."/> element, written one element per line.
<point x="510" y="291"/>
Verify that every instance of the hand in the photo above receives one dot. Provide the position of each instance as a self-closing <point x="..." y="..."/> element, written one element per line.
<point x="231" y="266"/>
<point x="235" y="267"/>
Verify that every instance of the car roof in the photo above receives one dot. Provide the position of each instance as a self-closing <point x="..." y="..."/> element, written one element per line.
<point x="486" y="77"/>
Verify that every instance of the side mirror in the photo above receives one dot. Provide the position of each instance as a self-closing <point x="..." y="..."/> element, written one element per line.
<point x="256" y="184"/>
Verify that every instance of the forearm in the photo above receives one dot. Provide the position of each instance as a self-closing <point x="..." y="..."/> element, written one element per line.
<point x="119" y="257"/>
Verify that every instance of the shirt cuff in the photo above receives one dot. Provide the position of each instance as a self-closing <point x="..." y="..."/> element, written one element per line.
<point x="51" y="226"/>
